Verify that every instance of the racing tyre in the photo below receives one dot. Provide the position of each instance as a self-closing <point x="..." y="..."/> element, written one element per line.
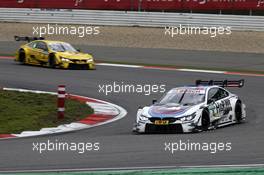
<point x="22" y="56"/>
<point x="205" y="120"/>
<point x="52" y="61"/>
<point x="238" y="112"/>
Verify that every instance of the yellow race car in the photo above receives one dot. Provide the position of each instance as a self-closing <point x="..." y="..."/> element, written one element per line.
<point x="55" y="54"/>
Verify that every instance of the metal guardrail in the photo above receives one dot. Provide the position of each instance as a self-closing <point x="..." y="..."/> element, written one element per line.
<point x="122" y="18"/>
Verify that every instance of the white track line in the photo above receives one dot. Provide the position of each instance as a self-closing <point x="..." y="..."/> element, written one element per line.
<point x="119" y="65"/>
<point x="202" y="71"/>
<point x="171" y="69"/>
<point x="160" y="68"/>
<point x="181" y="70"/>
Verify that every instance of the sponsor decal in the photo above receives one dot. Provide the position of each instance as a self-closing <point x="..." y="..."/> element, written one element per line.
<point x="77" y="2"/>
<point x="260" y="3"/>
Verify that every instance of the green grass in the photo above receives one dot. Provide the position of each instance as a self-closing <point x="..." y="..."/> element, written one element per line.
<point x="23" y="111"/>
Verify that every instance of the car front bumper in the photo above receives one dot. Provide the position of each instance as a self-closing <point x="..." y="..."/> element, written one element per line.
<point x="68" y="65"/>
<point x="177" y="127"/>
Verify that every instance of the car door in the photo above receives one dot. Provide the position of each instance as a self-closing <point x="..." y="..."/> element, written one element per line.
<point x="32" y="54"/>
<point x="219" y="103"/>
<point x="224" y="106"/>
<point x="213" y="104"/>
<point x="42" y="52"/>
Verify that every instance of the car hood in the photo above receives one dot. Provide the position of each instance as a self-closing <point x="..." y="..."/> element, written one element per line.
<point x="74" y="55"/>
<point x="163" y="111"/>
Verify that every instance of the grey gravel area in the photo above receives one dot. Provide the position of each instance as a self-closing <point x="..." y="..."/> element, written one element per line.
<point x="136" y="37"/>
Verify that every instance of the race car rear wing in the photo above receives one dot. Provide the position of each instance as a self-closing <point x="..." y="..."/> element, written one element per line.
<point x="27" y="38"/>
<point x="225" y="83"/>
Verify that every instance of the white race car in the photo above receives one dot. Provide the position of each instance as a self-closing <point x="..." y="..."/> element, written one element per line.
<point x="207" y="105"/>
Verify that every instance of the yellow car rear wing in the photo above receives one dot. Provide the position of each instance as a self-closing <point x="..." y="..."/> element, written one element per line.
<point x="27" y="38"/>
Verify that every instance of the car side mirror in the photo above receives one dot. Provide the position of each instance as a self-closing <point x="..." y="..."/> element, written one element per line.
<point x="154" y="101"/>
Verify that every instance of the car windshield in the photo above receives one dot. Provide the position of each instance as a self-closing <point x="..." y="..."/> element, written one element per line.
<point x="184" y="96"/>
<point x="62" y="47"/>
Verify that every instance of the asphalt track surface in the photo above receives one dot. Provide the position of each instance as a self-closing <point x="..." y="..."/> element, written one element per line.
<point x="118" y="146"/>
<point x="198" y="59"/>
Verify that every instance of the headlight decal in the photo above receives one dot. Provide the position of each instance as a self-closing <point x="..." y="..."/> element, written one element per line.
<point x="64" y="59"/>
<point x="143" y="117"/>
<point x="188" y="117"/>
<point x="89" y="60"/>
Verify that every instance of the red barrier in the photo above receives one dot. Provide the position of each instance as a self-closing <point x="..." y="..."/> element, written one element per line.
<point x="138" y="4"/>
<point x="61" y="101"/>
